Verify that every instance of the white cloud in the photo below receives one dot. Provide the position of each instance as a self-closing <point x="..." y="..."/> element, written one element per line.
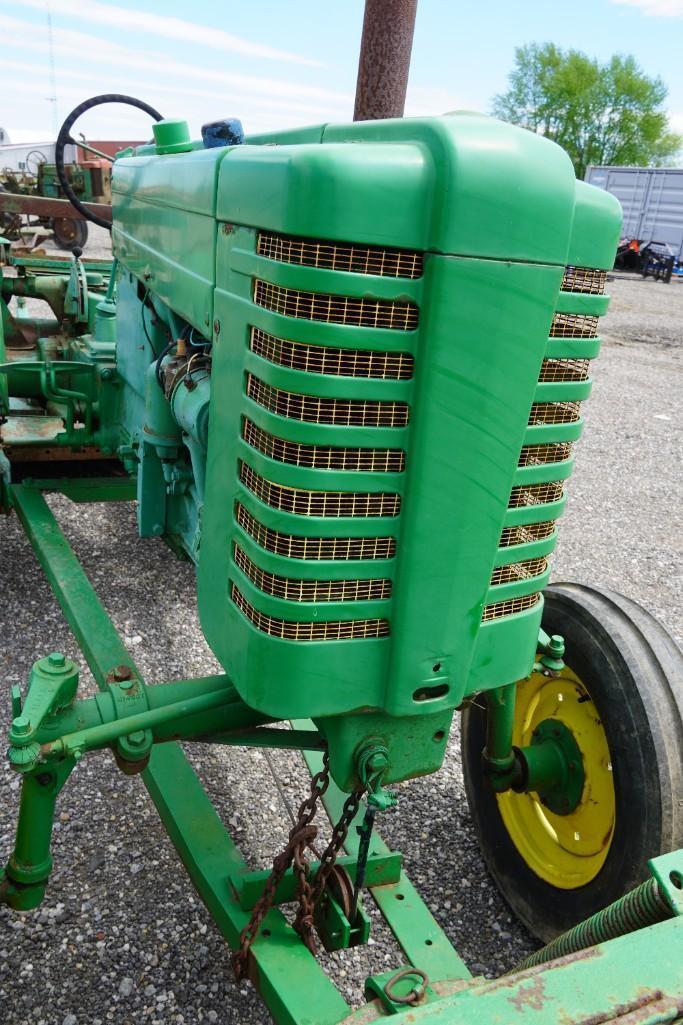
<point x="166" y="26"/>
<point x="676" y="122"/>
<point x="89" y="48"/>
<point x="655" y="8"/>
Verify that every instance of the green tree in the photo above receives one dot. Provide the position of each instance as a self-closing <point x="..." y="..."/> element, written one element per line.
<point x="599" y="113"/>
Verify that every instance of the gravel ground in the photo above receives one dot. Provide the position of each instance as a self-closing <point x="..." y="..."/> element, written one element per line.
<point x="121" y="937"/>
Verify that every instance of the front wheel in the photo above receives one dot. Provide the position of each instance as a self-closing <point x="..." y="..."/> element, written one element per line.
<point x="621" y="699"/>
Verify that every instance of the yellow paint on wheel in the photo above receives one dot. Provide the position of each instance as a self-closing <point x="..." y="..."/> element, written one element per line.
<point x="566" y="851"/>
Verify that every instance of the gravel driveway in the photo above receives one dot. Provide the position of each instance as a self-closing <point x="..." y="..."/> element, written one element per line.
<point x="121" y="936"/>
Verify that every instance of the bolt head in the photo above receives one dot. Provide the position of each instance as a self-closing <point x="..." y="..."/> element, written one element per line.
<point x="57" y="660"/>
<point x="137" y="739"/>
<point x="21" y="726"/>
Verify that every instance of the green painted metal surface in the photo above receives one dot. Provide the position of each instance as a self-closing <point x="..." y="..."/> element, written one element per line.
<point x="298" y="272"/>
<point x="482" y="329"/>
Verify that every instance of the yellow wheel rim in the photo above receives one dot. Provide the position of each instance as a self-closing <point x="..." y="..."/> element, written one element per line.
<point x="566" y="851"/>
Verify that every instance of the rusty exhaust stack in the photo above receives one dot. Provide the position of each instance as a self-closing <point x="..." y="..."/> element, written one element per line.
<point x="384" y="61"/>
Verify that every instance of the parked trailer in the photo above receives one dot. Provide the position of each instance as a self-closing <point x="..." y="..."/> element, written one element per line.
<point x="652" y="201"/>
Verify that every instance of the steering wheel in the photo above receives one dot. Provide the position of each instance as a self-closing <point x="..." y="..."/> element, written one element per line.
<point x="36" y="157"/>
<point x="65" y="137"/>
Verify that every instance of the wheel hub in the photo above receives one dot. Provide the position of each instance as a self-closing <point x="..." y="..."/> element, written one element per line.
<point x="554" y="767"/>
<point x="564" y="844"/>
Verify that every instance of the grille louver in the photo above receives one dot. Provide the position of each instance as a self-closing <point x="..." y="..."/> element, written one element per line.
<point x="352" y="629"/>
<point x="319" y="503"/>
<point x="340" y="256"/>
<point x="311" y="590"/>
<point x="574" y="325"/>
<point x="584" y="279"/>
<point x="509" y="607"/>
<point x="314" y="409"/>
<point x="535" y="494"/>
<point x="526" y="534"/>
<point x="323" y="457"/>
<point x="336" y="309"/>
<point x="346" y="549"/>
<point x="324" y="359"/>
<point x="518" y="571"/>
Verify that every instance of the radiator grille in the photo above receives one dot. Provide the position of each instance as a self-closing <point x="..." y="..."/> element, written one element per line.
<point x="564" y="370"/>
<point x="584" y="279"/>
<point x="323" y="359"/>
<point x="319" y="503"/>
<point x="314" y="409"/>
<point x="323" y="457"/>
<point x="316" y="549"/>
<point x="539" y="455"/>
<point x="526" y="533"/>
<point x="535" y="494"/>
<point x="519" y="571"/>
<point x="574" y="325"/>
<point x="554" y="413"/>
<point x="351" y="629"/>
<point x="343" y="256"/>
<point x="509" y="607"/>
<point x="336" y="309"/>
<point x="311" y="590"/>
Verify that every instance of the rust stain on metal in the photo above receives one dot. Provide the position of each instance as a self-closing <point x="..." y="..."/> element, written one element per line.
<point x="22" y="429"/>
<point x="634" y="1010"/>
<point x="531" y="993"/>
<point x="12" y="202"/>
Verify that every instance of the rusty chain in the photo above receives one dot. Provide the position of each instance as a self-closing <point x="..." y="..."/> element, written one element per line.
<point x="300" y="839"/>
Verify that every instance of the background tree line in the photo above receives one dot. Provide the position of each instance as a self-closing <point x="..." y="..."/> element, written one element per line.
<point x="599" y="113"/>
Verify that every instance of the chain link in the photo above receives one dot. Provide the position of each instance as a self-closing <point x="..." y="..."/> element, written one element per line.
<point x="294" y="854"/>
<point x="300" y="839"/>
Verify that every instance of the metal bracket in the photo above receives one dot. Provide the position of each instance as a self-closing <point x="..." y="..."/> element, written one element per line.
<point x="667" y="869"/>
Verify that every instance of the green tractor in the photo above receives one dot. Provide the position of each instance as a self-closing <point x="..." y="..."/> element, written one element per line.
<point x="341" y="369"/>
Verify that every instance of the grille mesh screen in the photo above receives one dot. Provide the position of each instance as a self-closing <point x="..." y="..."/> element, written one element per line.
<point x="509" y="607"/>
<point x="323" y="359"/>
<point x="574" y="325"/>
<point x="336" y="309"/>
<point x="319" y="503"/>
<point x="519" y="571"/>
<point x="311" y="590"/>
<point x="584" y="279"/>
<point x="538" y="455"/>
<point x="323" y="457"/>
<point x="317" y="631"/>
<point x="314" y="548"/>
<point x="526" y="533"/>
<point x="564" y="370"/>
<point x="314" y="409"/>
<point x="535" y="494"/>
<point x="554" y="413"/>
<point x="343" y="256"/>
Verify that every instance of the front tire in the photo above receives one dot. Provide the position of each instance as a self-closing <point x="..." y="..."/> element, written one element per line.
<point x="622" y="698"/>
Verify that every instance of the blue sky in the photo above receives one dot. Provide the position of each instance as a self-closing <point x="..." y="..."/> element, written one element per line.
<point x="278" y="63"/>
